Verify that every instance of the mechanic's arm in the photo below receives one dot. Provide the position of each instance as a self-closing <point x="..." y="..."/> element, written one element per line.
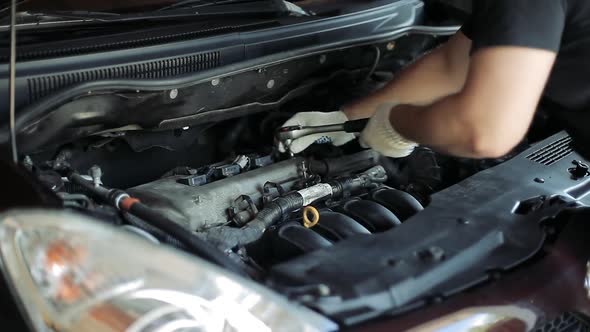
<point x="440" y="73"/>
<point x="487" y="118"/>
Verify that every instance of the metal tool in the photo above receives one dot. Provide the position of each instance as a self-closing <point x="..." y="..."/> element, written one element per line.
<point x="286" y="135"/>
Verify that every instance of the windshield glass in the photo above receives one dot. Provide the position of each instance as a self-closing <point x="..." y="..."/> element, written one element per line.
<point x="113" y="6"/>
<point x="34" y="13"/>
<point x="90" y="5"/>
<point x="37" y="13"/>
<point x="127" y="6"/>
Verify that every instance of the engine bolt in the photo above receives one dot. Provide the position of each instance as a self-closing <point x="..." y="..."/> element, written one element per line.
<point x="28" y="163"/>
<point x="539" y="180"/>
<point x="270" y="84"/>
<point x="437" y="299"/>
<point x="390" y="46"/>
<point x="463" y="221"/>
<point x="96" y="173"/>
<point x="215" y="82"/>
<point x="323" y="290"/>
<point x="432" y="254"/>
<point x="173" y="93"/>
<point x="391" y="262"/>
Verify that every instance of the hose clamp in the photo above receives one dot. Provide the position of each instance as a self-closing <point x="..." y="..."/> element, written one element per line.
<point x="119" y="198"/>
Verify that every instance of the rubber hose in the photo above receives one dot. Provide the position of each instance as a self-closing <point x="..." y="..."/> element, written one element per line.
<point x="227" y="237"/>
<point x="159" y="234"/>
<point x="97" y="191"/>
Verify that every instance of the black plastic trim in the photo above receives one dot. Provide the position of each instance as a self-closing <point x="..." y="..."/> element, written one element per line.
<point x="50" y="102"/>
<point x="238" y="51"/>
<point x="468" y="232"/>
<point x="553" y="152"/>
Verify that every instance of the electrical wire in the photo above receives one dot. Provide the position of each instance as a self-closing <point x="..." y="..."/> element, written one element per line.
<point x="375" y="62"/>
<point x="13" y="81"/>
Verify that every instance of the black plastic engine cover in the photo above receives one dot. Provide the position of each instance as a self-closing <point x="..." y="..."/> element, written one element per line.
<point x="468" y="232"/>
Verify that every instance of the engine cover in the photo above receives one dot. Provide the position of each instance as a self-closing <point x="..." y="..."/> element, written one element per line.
<point x="485" y="225"/>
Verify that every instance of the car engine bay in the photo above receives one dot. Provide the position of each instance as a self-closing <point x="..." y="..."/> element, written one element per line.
<point x="213" y="176"/>
<point x="219" y="201"/>
<point x="342" y="230"/>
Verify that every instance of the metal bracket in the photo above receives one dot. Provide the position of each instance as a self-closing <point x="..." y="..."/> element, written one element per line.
<point x="267" y="193"/>
<point x="243" y="210"/>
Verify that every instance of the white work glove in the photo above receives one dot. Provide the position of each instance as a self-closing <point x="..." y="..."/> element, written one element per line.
<point x="317" y="119"/>
<point x="380" y="135"/>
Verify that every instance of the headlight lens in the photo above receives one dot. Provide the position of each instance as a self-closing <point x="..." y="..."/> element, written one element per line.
<point x="482" y="319"/>
<point x="71" y="273"/>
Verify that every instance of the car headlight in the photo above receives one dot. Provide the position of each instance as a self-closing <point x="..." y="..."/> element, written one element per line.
<point x="483" y="319"/>
<point x="71" y="273"/>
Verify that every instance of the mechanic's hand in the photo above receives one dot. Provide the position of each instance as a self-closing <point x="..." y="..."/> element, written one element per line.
<point x="383" y="138"/>
<point x="317" y="119"/>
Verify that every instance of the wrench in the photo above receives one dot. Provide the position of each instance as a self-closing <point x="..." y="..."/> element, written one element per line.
<point x="286" y="135"/>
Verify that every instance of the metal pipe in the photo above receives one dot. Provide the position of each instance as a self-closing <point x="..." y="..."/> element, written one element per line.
<point x="13" y="81"/>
